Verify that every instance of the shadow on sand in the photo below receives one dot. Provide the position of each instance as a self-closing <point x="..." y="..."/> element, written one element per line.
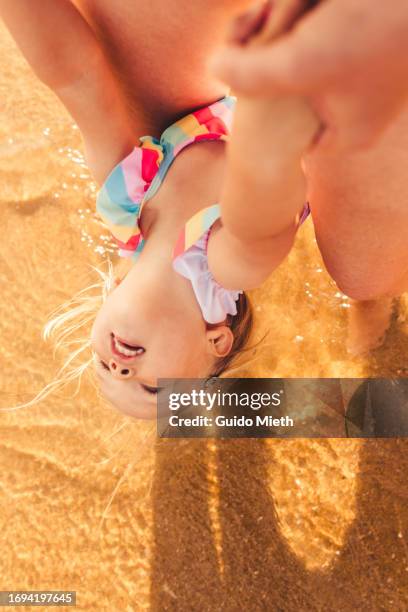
<point x="260" y="570"/>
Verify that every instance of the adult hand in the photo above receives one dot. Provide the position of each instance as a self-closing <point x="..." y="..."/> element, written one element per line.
<point x="349" y="56"/>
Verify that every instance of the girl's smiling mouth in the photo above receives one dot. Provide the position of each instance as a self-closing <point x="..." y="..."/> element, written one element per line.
<point x="124" y="350"/>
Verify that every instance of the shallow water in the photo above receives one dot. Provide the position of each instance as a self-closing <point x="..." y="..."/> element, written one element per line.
<point x="194" y="525"/>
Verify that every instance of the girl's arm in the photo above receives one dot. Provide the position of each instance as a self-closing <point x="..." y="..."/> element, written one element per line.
<point x="264" y="190"/>
<point x="64" y="53"/>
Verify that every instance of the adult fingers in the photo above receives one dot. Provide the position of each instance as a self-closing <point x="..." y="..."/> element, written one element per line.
<point x="247" y="24"/>
<point x="295" y="62"/>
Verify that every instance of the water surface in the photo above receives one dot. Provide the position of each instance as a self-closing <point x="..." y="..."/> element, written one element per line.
<point x="194" y="525"/>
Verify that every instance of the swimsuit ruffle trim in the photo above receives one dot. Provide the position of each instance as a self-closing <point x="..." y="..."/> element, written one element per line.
<point x="215" y="301"/>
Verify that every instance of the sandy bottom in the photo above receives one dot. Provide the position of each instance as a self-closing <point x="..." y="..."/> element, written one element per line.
<point x="193" y="525"/>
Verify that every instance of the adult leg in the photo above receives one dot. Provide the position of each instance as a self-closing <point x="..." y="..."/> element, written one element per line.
<point x="359" y="205"/>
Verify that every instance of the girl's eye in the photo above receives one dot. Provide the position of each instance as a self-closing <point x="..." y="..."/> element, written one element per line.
<point x="105" y="365"/>
<point x="151" y="390"/>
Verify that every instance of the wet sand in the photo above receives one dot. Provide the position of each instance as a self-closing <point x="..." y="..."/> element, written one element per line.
<point x="194" y="525"/>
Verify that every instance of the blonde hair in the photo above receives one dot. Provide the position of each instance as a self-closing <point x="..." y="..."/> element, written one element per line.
<point x="78" y="313"/>
<point x="62" y="328"/>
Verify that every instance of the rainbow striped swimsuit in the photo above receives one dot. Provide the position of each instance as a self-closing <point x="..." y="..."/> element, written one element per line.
<point x="136" y="179"/>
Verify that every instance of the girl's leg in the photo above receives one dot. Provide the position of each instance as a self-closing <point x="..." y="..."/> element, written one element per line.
<point x="160" y="51"/>
<point x="64" y="52"/>
<point x="359" y="204"/>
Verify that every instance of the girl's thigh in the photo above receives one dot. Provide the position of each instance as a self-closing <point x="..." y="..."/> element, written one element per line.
<point x="359" y="205"/>
<point x="160" y="51"/>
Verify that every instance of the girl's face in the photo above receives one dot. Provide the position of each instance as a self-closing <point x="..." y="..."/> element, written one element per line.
<point x="139" y="337"/>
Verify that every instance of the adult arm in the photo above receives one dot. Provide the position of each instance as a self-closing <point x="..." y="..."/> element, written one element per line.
<point x="350" y="55"/>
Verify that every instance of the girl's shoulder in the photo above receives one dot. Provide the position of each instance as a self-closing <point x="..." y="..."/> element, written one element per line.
<point x="138" y="177"/>
<point x="196" y="228"/>
<point x="190" y="259"/>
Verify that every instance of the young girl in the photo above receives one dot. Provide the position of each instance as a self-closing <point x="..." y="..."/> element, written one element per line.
<point x="173" y="314"/>
<point x="180" y="311"/>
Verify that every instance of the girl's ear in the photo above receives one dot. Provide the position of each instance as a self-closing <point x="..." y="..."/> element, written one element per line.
<point x="220" y="340"/>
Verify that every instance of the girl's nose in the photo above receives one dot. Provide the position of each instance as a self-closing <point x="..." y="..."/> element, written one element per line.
<point x="119" y="371"/>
